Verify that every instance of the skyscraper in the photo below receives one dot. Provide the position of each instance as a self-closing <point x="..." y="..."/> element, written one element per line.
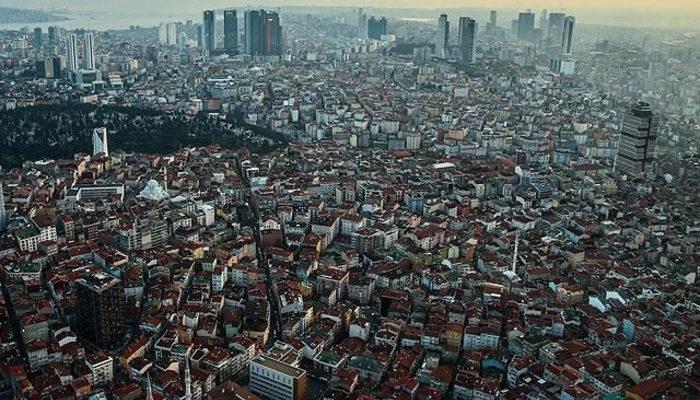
<point x="230" y="31"/>
<point x="263" y="34"/>
<point x="568" y="35"/>
<point x="89" y="51"/>
<point x="272" y="34"/>
<point x="101" y="306"/>
<point x="544" y="21"/>
<point x="208" y="38"/>
<point x="493" y="19"/>
<point x="442" y="39"/>
<point x="467" y="37"/>
<point x="361" y="24"/>
<point x="72" y="52"/>
<point x="376" y="28"/>
<point x="99" y="141"/>
<point x="555" y="28"/>
<point x="171" y="33"/>
<point x="53" y="35"/>
<point x="635" y="150"/>
<point x="38" y="37"/>
<point x="253" y="21"/>
<point x="526" y="25"/>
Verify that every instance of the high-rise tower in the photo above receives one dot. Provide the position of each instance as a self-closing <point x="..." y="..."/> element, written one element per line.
<point x="101" y="306"/>
<point x="208" y="38"/>
<point x="555" y="27"/>
<point x="230" y="31"/>
<point x="568" y="35"/>
<point x="99" y="142"/>
<point x="442" y="39"/>
<point x="263" y="33"/>
<point x="72" y="50"/>
<point x="53" y="35"/>
<point x="467" y="37"/>
<point x="89" y="51"/>
<point x="635" y="150"/>
<point x="526" y="25"/>
<point x="38" y="37"/>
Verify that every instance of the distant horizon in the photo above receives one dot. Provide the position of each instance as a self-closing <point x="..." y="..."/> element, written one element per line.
<point x="616" y="16"/>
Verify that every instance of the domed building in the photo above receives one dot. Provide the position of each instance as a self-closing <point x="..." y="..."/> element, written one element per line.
<point x="153" y="191"/>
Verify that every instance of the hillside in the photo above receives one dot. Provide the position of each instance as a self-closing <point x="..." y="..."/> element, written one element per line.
<point x="57" y="132"/>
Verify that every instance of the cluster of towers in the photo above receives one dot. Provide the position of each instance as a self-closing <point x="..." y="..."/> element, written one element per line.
<point x="262" y="32"/>
<point x="72" y="46"/>
<point x="466" y="38"/>
<point x="371" y="28"/>
<point x="555" y="29"/>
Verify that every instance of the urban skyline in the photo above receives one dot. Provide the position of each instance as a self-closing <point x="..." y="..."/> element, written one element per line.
<point x="348" y="203"/>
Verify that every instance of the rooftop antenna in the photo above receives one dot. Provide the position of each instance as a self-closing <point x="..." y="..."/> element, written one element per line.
<point x="188" y="380"/>
<point x="515" y="252"/>
<point x="149" y="388"/>
<point x="2" y="209"/>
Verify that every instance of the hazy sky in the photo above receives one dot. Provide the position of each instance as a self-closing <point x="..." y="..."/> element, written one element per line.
<point x="638" y="5"/>
<point x="635" y="13"/>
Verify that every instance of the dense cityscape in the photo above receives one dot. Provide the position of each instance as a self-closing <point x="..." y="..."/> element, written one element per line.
<point x="342" y="204"/>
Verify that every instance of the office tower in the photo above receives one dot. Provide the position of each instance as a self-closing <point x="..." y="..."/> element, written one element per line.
<point x="493" y="19"/>
<point x="263" y="34"/>
<point x="526" y="25"/>
<point x="555" y="28"/>
<point x="376" y="28"/>
<point x="182" y="40"/>
<point x="167" y="33"/>
<point x="567" y="35"/>
<point x="467" y="37"/>
<point x="89" y="51"/>
<point x="101" y="307"/>
<point x="53" y="35"/>
<point x="544" y="21"/>
<point x="230" y="31"/>
<point x="99" y="142"/>
<point x="38" y="37"/>
<point x="72" y="52"/>
<point x="162" y="34"/>
<point x="635" y="150"/>
<point x="442" y="39"/>
<point x="362" y="24"/>
<point x="253" y="25"/>
<point x="272" y="34"/>
<point x="49" y="67"/>
<point x="208" y="38"/>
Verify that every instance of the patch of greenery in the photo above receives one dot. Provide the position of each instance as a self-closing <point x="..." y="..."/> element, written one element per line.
<point x="59" y="132"/>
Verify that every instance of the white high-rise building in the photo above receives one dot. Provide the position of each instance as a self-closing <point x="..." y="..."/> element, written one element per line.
<point x="442" y="39"/>
<point x="167" y="33"/>
<point x="171" y="33"/>
<point x="162" y="34"/>
<point x="89" y="51"/>
<point x="99" y="142"/>
<point x="72" y="50"/>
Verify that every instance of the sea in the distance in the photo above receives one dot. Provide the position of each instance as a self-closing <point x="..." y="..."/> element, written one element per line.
<point x="105" y="21"/>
